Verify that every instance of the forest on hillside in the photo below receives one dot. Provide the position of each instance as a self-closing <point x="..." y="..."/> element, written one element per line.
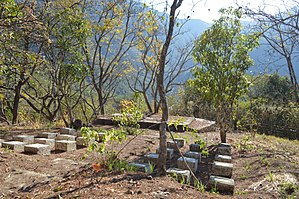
<point x="77" y="59"/>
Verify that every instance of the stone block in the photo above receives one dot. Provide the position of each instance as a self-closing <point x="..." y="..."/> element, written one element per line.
<point x="66" y="137"/>
<point x="17" y="146"/>
<point x="222" y="184"/>
<point x="195" y="147"/>
<point x="224" y="149"/>
<point x="68" y="131"/>
<point x="47" y="141"/>
<point x="143" y="167"/>
<point x="172" y="145"/>
<point x="223" y="158"/>
<point x="1" y="141"/>
<point x="180" y="141"/>
<point x="40" y="149"/>
<point x="152" y="158"/>
<point x="65" y="145"/>
<point x="101" y="137"/>
<point x="193" y="154"/>
<point x="222" y="169"/>
<point x="170" y="153"/>
<point x="192" y="163"/>
<point x="47" y="135"/>
<point x="27" y="139"/>
<point x="179" y="174"/>
<point x="82" y="142"/>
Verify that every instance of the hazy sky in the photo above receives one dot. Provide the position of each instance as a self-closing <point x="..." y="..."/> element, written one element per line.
<point x="207" y="10"/>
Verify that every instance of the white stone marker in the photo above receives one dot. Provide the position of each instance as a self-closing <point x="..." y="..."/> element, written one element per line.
<point x="66" y="137"/>
<point x="17" y="146"/>
<point x="181" y="141"/>
<point x="170" y="153"/>
<point x="27" y="139"/>
<point x="47" y="135"/>
<point x="153" y="158"/>
<point x="180" y="174"/>
<point x="223" y="158"/>
<point x="65" y="145"/>
<point x="68" y="131"/>
<point x="40" y="149"/>
<point x="223" y="169"/>
<point x="222" y="184"/>
<point x="144" y="167"/>
<point x="50" y="142"/>
<point x="193" y="154"/>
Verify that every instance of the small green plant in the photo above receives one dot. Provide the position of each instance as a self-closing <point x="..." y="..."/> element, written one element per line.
<point x="264" y="161"/>
<point x="199" y="185"/>
<point x="240" y="192"/>
<point x="270" y="176"/>
<point x="245" y="145"/>
<point x="243" y="177"/>
<point x="202" y="144"/>
<point x="214" y="189"/>
<point x="151" y="167"/>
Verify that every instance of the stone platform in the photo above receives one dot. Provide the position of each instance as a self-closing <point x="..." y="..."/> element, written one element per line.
<point x="40" y="149"/>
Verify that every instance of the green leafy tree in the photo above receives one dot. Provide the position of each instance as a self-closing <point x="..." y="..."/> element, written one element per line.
<point x="223" y="52"/>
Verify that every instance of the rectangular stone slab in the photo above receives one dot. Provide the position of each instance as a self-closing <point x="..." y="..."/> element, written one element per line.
<point x="17" y="146"/>
<point x="40" y="149"/>
<point x="180" y="141"/>
<point x="223" y="169"/>
<point x="66" y="137"/>
<point x="82" y="142"/>
<point x="180" y="174"/>
<point x="222" y="184"/>
<point x="193" y="154"/>
<point x="170" y="153"/>
<point x="224" y="150"/>
<point x="172" y="145"/>
<point x="223" y="158"/>
<point x="144" y="167"/>
<point x="153" y="158"/>
<point x="65" y="145"/>
<point x="192" y="163"/>
<point x="195" y="147"/>
<point x="68" y="131"/>
<point x="27" y="139"/>
<point x="50" y="142"/>
<point x="47" y="135"/>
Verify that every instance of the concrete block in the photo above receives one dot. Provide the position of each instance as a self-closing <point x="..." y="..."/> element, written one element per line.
<point x="195" y="147"/>
<point x="50" y="142"/>
<point x="172" y="145"/>
<point x="179" y="174"/>
<point x="82" y="142"/>
<point x="66" y="137"/>
<point x="222" y="184"/>
<point x="47" y="135"/>
<point x="17" y="146"/>
<point x="170" y="153"/>
<point x="153" y="158"/>
<point x="223" y="158"/>
<point x="222" y="169"/>
<point x="192" y="163"/>
<point x="27" y="139"/>
<point x="143" y="167"/>
<point x="101" y="136"/>
<point x="65" y="145"/>
<point x="224" y="149"/>
<point x="180" y="141"/>
<point x="1" y="141"/>
<point x="193" y="154"/>
<point x="68" y="131"/>
<point x="40" y="149"/>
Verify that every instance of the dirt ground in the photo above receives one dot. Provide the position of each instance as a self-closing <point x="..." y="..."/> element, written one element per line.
<point x="264" y="167"/>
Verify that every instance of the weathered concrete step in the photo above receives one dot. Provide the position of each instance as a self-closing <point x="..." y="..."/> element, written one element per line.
<point x="222" y="184"/>
<point x="68" y="131"/>
<point x="66" y="137"/>
<point x="191" y="162"/>
<point x="83" y="142"/>
<point x="65" y="145"/>
<point x="170" y="153"/>
<point x="47" y="135"/>
<point x="173" y="145"/>
<point x="40" y="149"/>
<point x="195" y="147"/>
<point x="224" y="149"/>
<point x="223" y="169"/>
<point x="152" y="158"/>
<point x="17" y="146"/>
<point x="143" y="167"/>
<point x="193" y="154"/>
<point x="180" y="174"/>
<point x="27" y="139"/>
<point x="50" y="142"/>
<point x="223" y="158"/>
<point x="180" y="141"/>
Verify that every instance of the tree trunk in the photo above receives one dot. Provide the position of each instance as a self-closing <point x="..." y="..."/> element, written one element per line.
<point x="16" y="102"/>
<point x="160" y="85"/>
<point x="293" y="78"/>
<point x="149" y="107"/>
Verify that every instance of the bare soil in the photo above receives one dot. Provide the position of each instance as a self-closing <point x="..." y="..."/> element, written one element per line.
<point x="262" y="168"/>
